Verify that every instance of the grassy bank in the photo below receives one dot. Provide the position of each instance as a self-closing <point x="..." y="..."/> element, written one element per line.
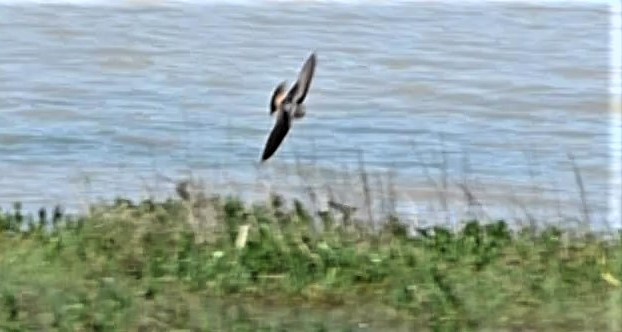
<point x="216" y="264"/>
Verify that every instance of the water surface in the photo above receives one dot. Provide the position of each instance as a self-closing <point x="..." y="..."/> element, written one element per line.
<point x="97" y="99"/>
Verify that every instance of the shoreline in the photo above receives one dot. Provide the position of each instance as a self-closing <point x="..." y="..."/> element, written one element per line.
<point x="433" y="198"/>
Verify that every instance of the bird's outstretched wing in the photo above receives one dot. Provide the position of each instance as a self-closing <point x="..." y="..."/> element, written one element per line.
<point x="280" y="130"/>
<point x="277" y="97"/>
<point x="299" y="91"/>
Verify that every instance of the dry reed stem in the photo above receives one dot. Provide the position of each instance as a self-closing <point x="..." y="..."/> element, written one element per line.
<point x="582" y="195"/>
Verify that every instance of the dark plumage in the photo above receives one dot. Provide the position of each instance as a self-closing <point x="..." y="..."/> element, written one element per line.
<point x="288" y="106"/>
<point x="278" y="133"/>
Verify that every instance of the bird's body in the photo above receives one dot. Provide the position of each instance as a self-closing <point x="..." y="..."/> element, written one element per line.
<point x="288" y="106"/>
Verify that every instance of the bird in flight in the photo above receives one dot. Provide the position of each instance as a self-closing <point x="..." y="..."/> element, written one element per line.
<point x="288" y="106"/>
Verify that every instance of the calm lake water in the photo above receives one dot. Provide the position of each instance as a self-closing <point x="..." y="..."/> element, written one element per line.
<point x="99" y="100"/>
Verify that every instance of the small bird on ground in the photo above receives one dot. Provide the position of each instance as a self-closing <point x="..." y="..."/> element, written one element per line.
<point x="288" y="106"/>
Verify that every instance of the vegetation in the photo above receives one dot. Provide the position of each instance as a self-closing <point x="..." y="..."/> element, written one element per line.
<point x="213" y="264"/>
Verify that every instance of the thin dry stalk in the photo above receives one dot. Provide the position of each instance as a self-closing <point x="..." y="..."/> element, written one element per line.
<point x="426" y="172"/>
<point x="469" y="197"/>
<point x="472" y="202"/>
<point x="202" y="215"/>
<point x="530" y="170"/>
<point x="535" y="187"/>
<point x="582" y="194"/>
<point x="379" y="184"/>
<point x="444" y="179"/>
<point x="366" y="191"/>
<point x="307" y="186"/>
<point x="558" y="207"/>
<point x="84" y="197"/>
<point x="420" y="161"/>
<point x="530" y="218"/>
<point x="392" y="192"/>
<point x="347" y="182"/>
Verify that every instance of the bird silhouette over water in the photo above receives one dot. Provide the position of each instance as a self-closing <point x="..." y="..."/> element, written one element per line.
<point x="288" y="106"/>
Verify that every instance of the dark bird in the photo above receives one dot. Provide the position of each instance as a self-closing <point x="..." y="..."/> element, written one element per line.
<point x="288" y="106"/>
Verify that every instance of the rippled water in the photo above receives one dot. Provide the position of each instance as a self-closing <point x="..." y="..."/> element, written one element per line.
<point x="97" y="99"/>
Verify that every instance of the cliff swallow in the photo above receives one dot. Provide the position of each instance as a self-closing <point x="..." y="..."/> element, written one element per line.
<point x="288" y="106"/>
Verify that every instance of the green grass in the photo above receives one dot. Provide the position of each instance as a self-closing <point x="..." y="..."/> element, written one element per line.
<point x="159" y="266"/>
